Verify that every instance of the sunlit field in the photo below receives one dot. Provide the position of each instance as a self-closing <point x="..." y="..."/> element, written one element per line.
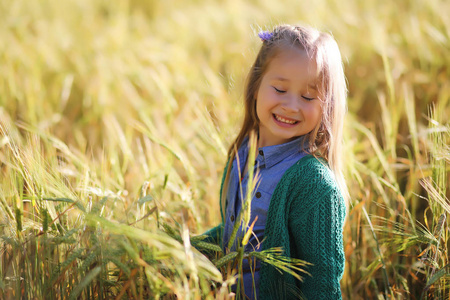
<point x="115" y="119"/>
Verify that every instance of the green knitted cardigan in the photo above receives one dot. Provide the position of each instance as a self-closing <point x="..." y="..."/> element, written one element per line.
<point x="305" y="218"/>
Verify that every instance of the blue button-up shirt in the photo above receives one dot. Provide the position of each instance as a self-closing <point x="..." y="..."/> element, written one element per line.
<point x="271" y="163"/>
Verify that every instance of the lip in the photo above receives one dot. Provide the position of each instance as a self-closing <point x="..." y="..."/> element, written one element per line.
<point x="285" y="125"/>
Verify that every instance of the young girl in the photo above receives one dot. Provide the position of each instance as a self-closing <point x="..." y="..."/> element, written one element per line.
<point x="295" y="101"/>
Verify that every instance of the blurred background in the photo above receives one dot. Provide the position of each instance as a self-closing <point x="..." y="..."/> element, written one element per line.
<point x="115" y="119"/>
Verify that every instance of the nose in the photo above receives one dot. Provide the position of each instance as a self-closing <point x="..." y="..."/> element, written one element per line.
<point x="291" y="104"/>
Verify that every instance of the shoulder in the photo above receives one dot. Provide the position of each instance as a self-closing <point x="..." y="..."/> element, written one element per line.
<point x="311" y="171"/>
<point x="311" y="185"/>
<point x="310" y="180"/>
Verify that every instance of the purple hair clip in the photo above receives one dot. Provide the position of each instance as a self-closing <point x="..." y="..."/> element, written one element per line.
<point x="265" y="35"/>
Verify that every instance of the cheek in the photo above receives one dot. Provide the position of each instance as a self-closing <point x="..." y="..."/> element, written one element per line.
<point x="262" y="104"/>
<point x="268" y="100"/>
<point x="259" y="109"/>
<point x="315" y="112"/>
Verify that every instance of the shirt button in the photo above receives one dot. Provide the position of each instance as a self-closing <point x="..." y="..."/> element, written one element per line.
<point x="261" y="152"/>
<point x="232" y="218"/>
<point x="258" y="195"/>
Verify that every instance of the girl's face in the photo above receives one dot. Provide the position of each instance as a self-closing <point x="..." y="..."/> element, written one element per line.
<point x="287" y="101"/>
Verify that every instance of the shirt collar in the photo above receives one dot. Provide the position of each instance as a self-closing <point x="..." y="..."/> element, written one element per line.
<point x="271" y="155"/>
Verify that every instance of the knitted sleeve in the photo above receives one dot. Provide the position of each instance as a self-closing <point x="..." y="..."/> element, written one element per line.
<point x="315" y="228"/>
<point x="214" y="235"/>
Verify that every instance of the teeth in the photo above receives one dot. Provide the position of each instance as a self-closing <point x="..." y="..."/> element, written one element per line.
<point x="284" y="120"/>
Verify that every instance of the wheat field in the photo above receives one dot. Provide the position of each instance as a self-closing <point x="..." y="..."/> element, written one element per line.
<point x="115" y="119"/>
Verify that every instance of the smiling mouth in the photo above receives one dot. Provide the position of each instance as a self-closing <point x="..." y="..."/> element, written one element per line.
<point x="283" y="120"/>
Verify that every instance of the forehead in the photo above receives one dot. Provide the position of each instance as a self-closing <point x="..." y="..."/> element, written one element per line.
<point x="292" y="64"/>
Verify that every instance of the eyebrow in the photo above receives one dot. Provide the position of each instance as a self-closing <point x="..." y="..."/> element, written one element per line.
<point x="311" y="86"/>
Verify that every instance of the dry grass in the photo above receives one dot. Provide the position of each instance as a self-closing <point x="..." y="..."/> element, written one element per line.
<point x="115" y="118"/>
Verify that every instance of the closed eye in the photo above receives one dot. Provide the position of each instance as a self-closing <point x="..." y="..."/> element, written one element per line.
<point x="279" y="91"/>
<point x="307" y="98"/>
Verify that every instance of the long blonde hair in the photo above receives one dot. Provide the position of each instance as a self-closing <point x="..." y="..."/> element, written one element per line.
<point x="326" y="139"/>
